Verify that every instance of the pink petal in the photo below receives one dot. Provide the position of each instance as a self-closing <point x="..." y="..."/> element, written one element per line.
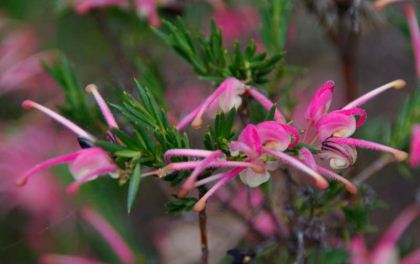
<point x="415" y="146"/>
<point x="320" y="102"/>
<point x="272" y="131"/>
<point x="336" y="124"/>
<point x="251" y="138"/>
<point x="89" y="161"/>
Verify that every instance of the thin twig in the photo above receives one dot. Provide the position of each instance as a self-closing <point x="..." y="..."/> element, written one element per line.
<point x="373" y="168"/>
<point x="202" y="220"/>
<point x="300" y="254"/>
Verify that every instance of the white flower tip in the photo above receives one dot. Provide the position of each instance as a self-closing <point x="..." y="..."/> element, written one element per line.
<point x="28" y="104"/>
<point x="199" y="206"/>
<point x="398" y="84"/>
<point x="400" y="155"/>
<point x="90" y="88"/>
<point x="21" y="181"/>
<point x="197" y="122"/>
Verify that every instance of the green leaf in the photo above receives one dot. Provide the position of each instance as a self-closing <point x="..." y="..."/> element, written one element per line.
<point x="211" y="61"/>
<point x="177" y="205"/>
<point x="133" y="186"/>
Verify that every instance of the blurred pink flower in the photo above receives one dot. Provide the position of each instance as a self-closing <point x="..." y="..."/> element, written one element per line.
<point x="20" y="61"/>
<point x="415" y="146"/>
<point x="249" y="203"/>
<point x="145" y="8"/>
<point x="19" y="150"/>
<point x="386" y="250"/>
<point x="236" y="23"/>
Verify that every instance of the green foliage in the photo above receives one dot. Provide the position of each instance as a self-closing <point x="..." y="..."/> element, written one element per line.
<point x="211" y="61"/>
<point x="75" y="106"/>
<point x="177" y="205"/>
<point x="328" y="256"/>
<point x="408" y="116"/>
<point x="151" y="133"/>
<point x="133" y="186"/>
<point x="219" y="136"/>
<point x="275" y="16"/>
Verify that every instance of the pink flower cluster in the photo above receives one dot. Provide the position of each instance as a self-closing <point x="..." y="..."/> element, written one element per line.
<point x="262" y="148"/>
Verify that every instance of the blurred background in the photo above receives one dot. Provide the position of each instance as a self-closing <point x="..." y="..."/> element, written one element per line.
<point x="111" y="46"/>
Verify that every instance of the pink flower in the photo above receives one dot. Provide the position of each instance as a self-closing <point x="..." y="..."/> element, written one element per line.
<point x="20" y="62"/>
<point x="226" y="97"/>
<point x="415" y="146"/>
<point x="86" y="164"/>
<point x="262" y="146"/>
<point x="236" y="22"/>
<point x="42" y="199"/>
<point x="145" y="8"/>
<point x="386" y="250"/>
<point x="332" y="129"/>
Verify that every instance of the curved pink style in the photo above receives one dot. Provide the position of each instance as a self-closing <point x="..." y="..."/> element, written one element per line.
<point x="385" y="250"/>
<point x="109" y="117"/>
<point x="28" y="104"/>
<point x="116" y="242"/>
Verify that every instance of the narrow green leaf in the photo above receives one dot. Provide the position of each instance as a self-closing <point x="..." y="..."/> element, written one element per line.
<point x="133" y="186"/>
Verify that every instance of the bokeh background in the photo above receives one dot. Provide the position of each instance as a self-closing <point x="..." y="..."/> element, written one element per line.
<point x="110" y="47"/>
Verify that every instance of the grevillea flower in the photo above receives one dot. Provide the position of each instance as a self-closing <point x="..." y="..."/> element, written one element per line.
<point x="226" y="97"/>
<point x="108" y="233"/>
<point x="415" y="146"/>
<point x="331" y="130"/>
<point x="145" y="8"/>
<point x="261" y="146"/>
<point x="86" y="164"/>
<point x="386" y="250"/>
